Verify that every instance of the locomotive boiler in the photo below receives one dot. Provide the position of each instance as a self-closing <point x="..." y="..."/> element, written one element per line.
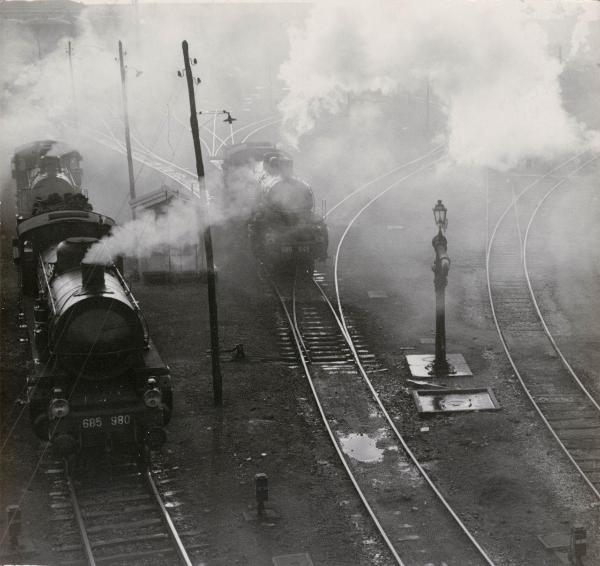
<point x="97" y="378"/>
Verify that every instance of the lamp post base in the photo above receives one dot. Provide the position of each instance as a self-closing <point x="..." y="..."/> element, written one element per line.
<point x="423" y="365"/>
<point x="440" y="368"/>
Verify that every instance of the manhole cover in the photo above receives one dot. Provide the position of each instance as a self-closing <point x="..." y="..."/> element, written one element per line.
<point x="455" y="400"/>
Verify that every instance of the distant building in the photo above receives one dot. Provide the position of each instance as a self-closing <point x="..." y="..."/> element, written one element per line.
<point x="46" y="22"/>
<point x="174" y="263"/>
<point x="63" y="11"/>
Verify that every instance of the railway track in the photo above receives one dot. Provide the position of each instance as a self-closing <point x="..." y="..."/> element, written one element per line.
<point x="182" y="176"/>
<point x="415" y="521"/>
<point x="566" y="407"/>
<point x="118" y="515"/>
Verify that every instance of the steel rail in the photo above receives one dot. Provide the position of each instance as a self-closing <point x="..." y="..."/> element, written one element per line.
<point x="166" y="518"/>
<point x="183" y="125"/>
<point x="89" y="555"/>
<point x="181" y="552"/>
<point x="144" y="159"/>
<point x="339" y="315"/>
<point x="295" y="319"/>
<point x="145" y="149"/>
<point x="155" y="155"/>
<point x="353" y="220"/>
<point x="303" y="360"/>
<point x="256" y="130"/>
<point x="114" y="145"/>
<point x="536" y="304"/>
<point x="383" y="176"/>
<point x="499" y="329"/>
<point x="343" y="328"/>
<point x="242" y="128"/>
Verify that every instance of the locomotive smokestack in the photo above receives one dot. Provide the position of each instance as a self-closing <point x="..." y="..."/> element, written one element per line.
<point x="92" y="276"/>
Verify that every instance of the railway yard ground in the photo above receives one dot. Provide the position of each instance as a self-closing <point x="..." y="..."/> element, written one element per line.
<point x="501" y="471"/>
<point x="317" y="392"/>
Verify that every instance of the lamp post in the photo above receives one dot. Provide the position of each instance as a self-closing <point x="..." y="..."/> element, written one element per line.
<point x="441" y="267"/>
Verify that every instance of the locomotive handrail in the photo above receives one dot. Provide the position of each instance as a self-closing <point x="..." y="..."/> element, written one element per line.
<point x="47" y="283"/>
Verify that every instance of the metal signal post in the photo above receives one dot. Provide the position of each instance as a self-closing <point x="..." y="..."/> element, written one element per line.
<point x="126" y="120"/>
<point x="208" y="248"/>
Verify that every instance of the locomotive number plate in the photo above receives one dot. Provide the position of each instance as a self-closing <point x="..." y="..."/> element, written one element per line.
<point x="106" y="421"/>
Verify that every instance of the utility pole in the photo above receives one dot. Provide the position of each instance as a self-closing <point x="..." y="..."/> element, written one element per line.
<point x="126" y="120"/>
<point x="136" y="23"/>
<point x="208" y="248"/>
<point x="70" y="53"/>
<point x="427" y="104"/>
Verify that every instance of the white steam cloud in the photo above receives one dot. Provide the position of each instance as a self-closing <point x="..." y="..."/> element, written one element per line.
<point x="178" y="226"/>
<point x="488" y="63"/>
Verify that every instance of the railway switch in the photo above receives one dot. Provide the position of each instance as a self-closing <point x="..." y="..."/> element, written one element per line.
<point x="13" y="513"/>
<point x="261" y="482"/>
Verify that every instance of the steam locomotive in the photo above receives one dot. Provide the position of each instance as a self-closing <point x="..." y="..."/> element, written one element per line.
<point x="97" y="378"/>
<point x="42" y="168"/>
<point x="284" y="230"/>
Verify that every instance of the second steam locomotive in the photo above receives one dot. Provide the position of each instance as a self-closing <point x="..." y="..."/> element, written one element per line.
<point x="97" y="378"/>
<point x="284" y="229"/>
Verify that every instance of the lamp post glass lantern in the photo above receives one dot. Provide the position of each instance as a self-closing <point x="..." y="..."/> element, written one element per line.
<point x="439" y="213"/>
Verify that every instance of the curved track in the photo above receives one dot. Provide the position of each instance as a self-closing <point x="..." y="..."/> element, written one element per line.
<point x="414" y="519"/>
<point x="568" y="410"/>
<point x="121" y="518"/>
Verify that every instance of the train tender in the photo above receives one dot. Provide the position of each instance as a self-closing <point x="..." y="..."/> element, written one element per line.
<point x="97" y="379"/>
<point x="284" y="229"/>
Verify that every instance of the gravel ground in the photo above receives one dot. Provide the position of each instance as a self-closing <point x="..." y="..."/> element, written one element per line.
<point x="267" y="424"/>
<point x="502" y="471"/>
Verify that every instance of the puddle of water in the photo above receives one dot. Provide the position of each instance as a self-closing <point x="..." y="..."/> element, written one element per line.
<point x="363" y="447"/>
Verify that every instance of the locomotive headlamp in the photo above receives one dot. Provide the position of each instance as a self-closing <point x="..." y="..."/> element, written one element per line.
<point x="59" y="406"/>
<point x="152" y="396"/>
<point x="439" y="213"/>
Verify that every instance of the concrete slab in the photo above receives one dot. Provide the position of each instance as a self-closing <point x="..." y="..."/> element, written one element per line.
<point x="375" y="294"/>
<point x="293" y="560"/>
<point x="559" y="543"/>
<point x="420" y="365"/>
<point x="270" y="515"/>
<point x="455" y="400"/>
<point x="556" y="541"/>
